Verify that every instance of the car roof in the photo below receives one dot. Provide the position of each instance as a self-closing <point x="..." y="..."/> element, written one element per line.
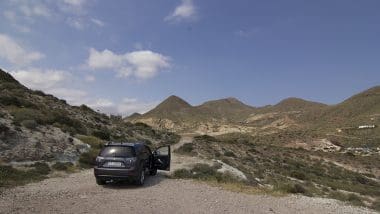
<point x="133" y="144"/>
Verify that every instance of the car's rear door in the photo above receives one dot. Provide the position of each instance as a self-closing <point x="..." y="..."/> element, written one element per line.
<point x="162" y="158"/>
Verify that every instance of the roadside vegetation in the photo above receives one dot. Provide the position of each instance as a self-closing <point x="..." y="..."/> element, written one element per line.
<point x="10" y="176"/>
<point x="268" y="165"/>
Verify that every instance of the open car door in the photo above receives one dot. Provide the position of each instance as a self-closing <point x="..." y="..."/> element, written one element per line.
<point x="162" y="158"/>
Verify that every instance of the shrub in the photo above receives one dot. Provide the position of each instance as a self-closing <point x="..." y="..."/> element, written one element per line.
<point x="41" y="168"/>
<point x="298" y="175"/>
<point x="354" y="199"/>
<point x="298" y="188"/>
<point x="22" y="114"/>
<point x="182" y="173"/>
<point x="205" y="138"/>
<point x="10" y="176"/>
<point x="229" y="154"/>
<point x="186" y="148"/>
<point x="30" y="124"/>
<point x="205" y="172"/>
<point x="87" y="159"/>
<point x="63" y="166"/>
<point x="376" y="205"/>
<point x="102" y="134"/>
<point x="3" y="128"/>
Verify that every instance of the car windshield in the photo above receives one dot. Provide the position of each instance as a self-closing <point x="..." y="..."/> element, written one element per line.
<point x="118" y="151"/>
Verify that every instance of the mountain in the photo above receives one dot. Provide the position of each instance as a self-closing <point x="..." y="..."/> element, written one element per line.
<point x="231" y="115"/>
<point x="230" y="108"/>
<point x="362" y="108"/>
<point x="36" y="126"/>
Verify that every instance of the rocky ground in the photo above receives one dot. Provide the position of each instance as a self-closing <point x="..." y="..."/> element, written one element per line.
<point x="78" y="193"/>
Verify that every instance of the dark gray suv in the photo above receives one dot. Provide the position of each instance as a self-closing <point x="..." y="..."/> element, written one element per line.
<point x="130" y="161"/>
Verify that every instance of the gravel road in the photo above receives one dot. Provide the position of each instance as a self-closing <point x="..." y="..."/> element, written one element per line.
<point x="78" y="193"/>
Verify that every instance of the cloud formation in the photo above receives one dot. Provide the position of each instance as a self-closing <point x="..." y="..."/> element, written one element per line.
<point x="15" y="54"/>
<point x="142" y="64"/>
<point x="52" y="82"/>
<point x="126" y="107"/>
<point x="185" y="11"/>
<point x="40" y="79"/>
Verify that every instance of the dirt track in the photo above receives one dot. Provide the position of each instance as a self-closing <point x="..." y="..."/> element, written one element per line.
<point x="78" y="193"/>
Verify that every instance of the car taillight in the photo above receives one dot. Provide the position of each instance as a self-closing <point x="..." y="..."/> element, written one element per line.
<point x="129" y="162"/>
<point x="99" y="159"/>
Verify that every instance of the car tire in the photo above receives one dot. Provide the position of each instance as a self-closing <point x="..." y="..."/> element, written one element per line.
<point x="100" y="181"/>
<point x="153" y="171"/>
<point x="141" y="178"/>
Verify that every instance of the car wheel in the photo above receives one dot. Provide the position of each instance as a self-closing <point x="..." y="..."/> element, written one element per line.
<point x="141" y="177"/>
<point x="100" y="181"/>
<point x="153" y="171"/>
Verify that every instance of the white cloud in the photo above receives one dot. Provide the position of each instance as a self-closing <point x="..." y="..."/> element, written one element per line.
<point x="185" y="11"/>
<point x="15" y="54"/>
<point x="142" y="64"/>
<point x="10" y="15"/>
<point x="97" y="22"/>
<point x="77" y="23"/>
<point x="76" y="3"/>
<point x="126" y="107"/>
<point x="72" y="96"/>
<point x="246" y="33"/>
<point x="89" y="78"/>
<point x="52" y="82"/>
<point x="35" y="10"/>
<point x="129" y="106"/>
<point x="40" y="79"/>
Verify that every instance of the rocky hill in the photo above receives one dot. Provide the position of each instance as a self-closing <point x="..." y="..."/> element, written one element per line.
<point x="228" y="115"/>
<point x="37" y="126"/>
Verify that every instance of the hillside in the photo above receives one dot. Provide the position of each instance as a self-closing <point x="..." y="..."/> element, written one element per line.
<point x="36" y="126"/>
<point x="362" y="108"/>
<point x="231" y="115"/>
<point x="177" y="115"/>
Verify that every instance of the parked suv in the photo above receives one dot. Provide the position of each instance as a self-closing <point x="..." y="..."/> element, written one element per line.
<point x="130" y="161"/>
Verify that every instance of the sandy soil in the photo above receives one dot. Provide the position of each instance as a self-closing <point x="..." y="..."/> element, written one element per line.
<point x="78" y="193"/>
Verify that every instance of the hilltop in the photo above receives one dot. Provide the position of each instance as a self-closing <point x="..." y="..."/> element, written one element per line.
<point x="35" y="126"/>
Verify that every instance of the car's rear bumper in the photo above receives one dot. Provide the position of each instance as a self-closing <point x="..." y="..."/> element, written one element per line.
<point x="115" y="173"/>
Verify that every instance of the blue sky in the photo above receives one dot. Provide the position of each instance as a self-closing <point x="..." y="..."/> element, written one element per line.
<point x="128" y="55"/>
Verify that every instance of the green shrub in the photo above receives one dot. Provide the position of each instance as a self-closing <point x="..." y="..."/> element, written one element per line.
<point x="94" y="142"/>
<point x="298" y="188"/>
<point x="41" y="168"/>
<point x="186" y="148"/>
<point x="206" y="138"/>
<point x="10" y="176"/>
<point x="354" y="199"/>
<point x="182" y="173"/>
<point x="63" y="166"/>
<point x="298" y="175"/>
<point x="229" y="154"/>
<point x="87" y="159"/>
<point x="376" y="205"/>
<point x="205" y="172"/>
<point x="15" y="101"/>
<point x="102" y="134"/>
<point x="30" y="124"/>
<point x="22" y="114"/>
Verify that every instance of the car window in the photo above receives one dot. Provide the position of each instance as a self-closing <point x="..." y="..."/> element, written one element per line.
<point x="163" y="151"/>
<point x="118" y="151"/>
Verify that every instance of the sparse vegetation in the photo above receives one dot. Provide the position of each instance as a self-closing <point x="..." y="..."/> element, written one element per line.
<point x="206" y="173"/>
<point x="10" y="176"/>
<point x="64" y="166"/>
<point x="87" y="159"/>
<point x="291" y="170"/>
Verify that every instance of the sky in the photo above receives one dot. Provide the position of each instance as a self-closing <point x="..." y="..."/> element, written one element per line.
<point x="126" y="56"/>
